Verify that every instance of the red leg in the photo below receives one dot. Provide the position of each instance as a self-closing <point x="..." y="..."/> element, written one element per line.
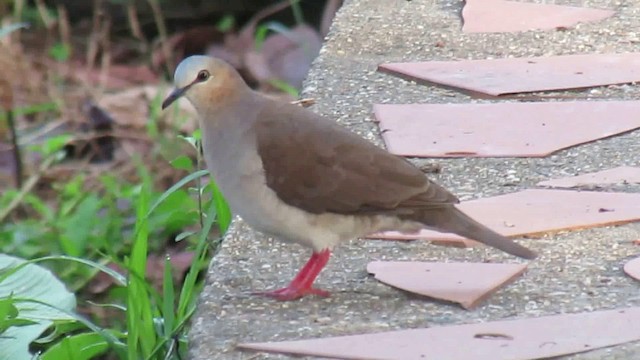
<point x="302" y="284"/>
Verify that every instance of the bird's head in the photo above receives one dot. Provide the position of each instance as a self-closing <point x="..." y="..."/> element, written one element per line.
<point x="205" y="81"/>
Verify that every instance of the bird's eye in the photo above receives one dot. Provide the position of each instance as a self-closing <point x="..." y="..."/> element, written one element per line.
<point x="203" y="75"/>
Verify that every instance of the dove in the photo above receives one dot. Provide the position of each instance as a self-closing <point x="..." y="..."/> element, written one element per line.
<point x="302" y="178"/>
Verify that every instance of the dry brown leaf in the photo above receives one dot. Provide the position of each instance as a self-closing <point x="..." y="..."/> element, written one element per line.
<point x="130" y="108"/>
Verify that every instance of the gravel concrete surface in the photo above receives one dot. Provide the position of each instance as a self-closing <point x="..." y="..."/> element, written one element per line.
<point x="576" y="271"/>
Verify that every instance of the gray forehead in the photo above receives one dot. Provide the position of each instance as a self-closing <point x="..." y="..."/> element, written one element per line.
<point x="189" y="68"/>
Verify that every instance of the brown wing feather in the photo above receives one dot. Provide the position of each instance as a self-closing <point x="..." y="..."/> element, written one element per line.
<point x="314" y="164"/>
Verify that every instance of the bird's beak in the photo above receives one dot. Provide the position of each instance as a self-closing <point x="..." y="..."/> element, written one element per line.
<point x="175" y="95"/>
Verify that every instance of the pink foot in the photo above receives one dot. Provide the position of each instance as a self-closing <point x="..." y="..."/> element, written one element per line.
<point x="291" y="293"/>
<point x="301" y="285"/>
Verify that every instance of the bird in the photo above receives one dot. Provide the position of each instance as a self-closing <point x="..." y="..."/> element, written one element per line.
<point x="303" y="178"/>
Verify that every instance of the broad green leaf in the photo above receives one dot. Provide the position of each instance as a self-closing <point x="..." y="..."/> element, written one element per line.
<point x="79" y="226"/>
<point x="39" y="284"/>
<point x="77" y="347"/>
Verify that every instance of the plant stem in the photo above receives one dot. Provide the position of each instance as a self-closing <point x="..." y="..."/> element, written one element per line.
<point x="17" y="157"/>
<point x="28" y="186"/>
<point x="297" y="11"/>
<point x="162" y="32"/>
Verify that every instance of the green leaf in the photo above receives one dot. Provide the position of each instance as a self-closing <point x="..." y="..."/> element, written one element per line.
<point x="193" y="139"/>
<point x="226" y="23"/>
<point x="182" y="162"/>
<point x="60" y="52"/>
<point x="77" y="347"/>
<point x="79" y="225"/>
<point x="9" y="314"/>
<point x="7" y="309"/>
<point x="197" y="134"/>
<point x="38" y="284"/>
<point x="183" y="235"/>
<point x="54" y="144"/>
<point x="31" y="109"/>
<point x="39" y="206"/>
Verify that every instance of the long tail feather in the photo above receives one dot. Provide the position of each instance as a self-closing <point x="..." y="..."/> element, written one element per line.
<point x="453" y="220"/>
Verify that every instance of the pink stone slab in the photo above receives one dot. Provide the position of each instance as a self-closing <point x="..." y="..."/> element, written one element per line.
<point x="536" y="212"/>
<point x="632" y="268"/>
<point x="619" y="175"/>
<point x="516" y="75"/>
<point x="465" y="283"/>
<point x="511" y="16"/>
<point x="533" y="338"/>
<point x="529" y="129"/>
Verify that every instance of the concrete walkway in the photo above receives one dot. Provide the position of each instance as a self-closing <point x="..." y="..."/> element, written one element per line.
<point x="577" y="271"/>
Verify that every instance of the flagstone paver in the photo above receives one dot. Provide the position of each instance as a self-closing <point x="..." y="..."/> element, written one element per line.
<point x="465" y="283"/>
<point x="505" y="76"/>
<point x="544" y="337"/>
<point x="510" y="16"/>
<point x="505" y="129"/>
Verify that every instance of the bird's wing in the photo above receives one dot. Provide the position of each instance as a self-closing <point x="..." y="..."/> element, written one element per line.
<point x="314" y="164"/>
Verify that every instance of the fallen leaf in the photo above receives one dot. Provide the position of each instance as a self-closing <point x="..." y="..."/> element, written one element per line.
<point x="130" y="108"/>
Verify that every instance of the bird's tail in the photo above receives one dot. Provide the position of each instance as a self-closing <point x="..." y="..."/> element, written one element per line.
<point x="451" y="219"/>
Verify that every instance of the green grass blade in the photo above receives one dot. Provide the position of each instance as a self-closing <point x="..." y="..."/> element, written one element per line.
<point x="120" y="280"/>
<point x="175" y="187"/>
<point x="187" y="293"/>
<point x="297" y="11"/>
<point x="223" y="212"/>
<point x="169" y="296"/>
<point x="142" y="336"/>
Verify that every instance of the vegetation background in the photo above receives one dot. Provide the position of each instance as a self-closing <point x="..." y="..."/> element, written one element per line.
<point x="107" y="218"/>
